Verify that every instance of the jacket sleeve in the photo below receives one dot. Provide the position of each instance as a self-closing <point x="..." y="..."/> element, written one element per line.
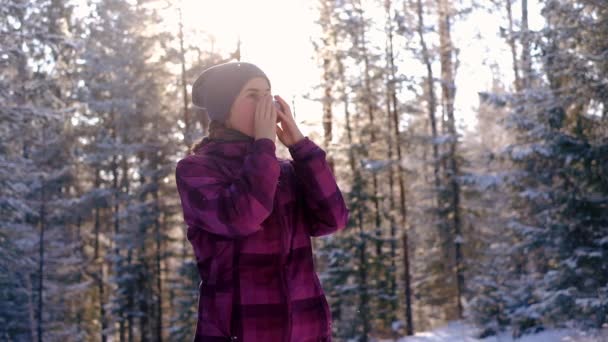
<point x="232" y="208"/>
<point x="323" y="202"/>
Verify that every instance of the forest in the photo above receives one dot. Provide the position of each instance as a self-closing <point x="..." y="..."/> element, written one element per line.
<point x="469" y="137"/>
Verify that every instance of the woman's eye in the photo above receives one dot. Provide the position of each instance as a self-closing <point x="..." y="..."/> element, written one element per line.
<point x="256" y="96"/>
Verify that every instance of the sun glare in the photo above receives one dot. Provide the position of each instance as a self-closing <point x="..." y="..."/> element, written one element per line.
<point x="274" y="34"/>
<point x="222" y="19"/>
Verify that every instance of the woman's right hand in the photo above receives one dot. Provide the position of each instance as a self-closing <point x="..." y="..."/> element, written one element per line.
<point x="265" y="119"/>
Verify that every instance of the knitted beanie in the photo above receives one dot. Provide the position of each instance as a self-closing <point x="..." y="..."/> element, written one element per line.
<point x="216" y="88"/>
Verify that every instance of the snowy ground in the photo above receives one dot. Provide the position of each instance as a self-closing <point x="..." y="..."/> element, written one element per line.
<point x="460" y="332"/>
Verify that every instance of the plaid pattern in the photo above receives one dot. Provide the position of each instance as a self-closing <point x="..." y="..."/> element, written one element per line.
<point x="250" y="218"/>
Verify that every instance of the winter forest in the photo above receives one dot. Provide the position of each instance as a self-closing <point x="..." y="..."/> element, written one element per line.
<point x="473" y="199"/>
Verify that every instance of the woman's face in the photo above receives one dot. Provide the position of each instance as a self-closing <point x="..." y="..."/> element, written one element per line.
<point x="241" y="115"/>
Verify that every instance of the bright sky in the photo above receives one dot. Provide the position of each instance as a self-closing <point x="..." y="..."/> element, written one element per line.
<point x="276" y="35"/>
<point x="477" y="55"/>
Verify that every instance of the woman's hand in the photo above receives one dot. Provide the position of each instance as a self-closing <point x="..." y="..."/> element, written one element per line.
<point x="288" y="133"/>
<point x="265" y="117"/>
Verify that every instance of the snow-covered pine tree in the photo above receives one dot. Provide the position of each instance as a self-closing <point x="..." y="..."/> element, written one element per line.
<point x="555" y="275"/>
<point x="484" y="195"/>
<point x="495" y="264"/>
<point x="123" y="87"/>
<point x="435" y="154"/>
<point x="357" y="266"/>
<point x="561" y="150"/>
<point x="39" y="214"/>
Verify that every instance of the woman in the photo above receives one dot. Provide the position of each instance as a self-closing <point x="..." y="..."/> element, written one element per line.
<point x="251" y="215"/>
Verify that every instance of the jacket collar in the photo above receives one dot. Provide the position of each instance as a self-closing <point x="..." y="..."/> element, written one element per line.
<point x="227" y="148"/>
<point x="224" y="141"/>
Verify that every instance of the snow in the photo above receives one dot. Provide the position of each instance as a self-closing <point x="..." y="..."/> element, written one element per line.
<point x="458" y="331"/>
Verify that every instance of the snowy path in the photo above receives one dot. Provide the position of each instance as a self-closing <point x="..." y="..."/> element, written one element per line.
<point x="459" y="332"/>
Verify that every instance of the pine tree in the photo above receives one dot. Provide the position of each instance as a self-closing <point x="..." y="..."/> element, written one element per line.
<point x="123" y="88"/>
<point x="37" y="100"/>
<point x="551" y="272"/>
<point x="561" y="152"/>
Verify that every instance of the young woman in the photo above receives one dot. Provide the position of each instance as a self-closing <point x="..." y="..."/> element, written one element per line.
<point x="251" y="215"/>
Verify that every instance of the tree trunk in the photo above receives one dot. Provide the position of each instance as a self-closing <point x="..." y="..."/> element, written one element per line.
<point x="525" y="42"/>
<point x="42" y="225"/>
<point x="392" y="112"/>
<point x="448" y="93"/>
<point x="372" y="140"/>
<point x="99" y="261"/>
<point x="116" y="224"/>
<point x="182" y="56"/>
<point x="432" y="101"/>
<point x="511" y="40"/>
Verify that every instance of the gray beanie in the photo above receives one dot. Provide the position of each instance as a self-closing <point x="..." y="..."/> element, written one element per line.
<point x="216" y="88"/>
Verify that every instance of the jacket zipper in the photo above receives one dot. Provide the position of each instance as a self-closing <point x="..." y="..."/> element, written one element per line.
<point x="285" y="243"/>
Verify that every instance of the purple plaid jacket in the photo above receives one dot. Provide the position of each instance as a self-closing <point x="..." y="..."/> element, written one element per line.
<point x="250" y="218"/>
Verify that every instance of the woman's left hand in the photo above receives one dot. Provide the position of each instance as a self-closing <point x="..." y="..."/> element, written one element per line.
<point x="288" y="133"/>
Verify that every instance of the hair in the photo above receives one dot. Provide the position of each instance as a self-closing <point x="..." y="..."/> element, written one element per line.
<point x="194" y="147"/>
<point x="213" y="125"/>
